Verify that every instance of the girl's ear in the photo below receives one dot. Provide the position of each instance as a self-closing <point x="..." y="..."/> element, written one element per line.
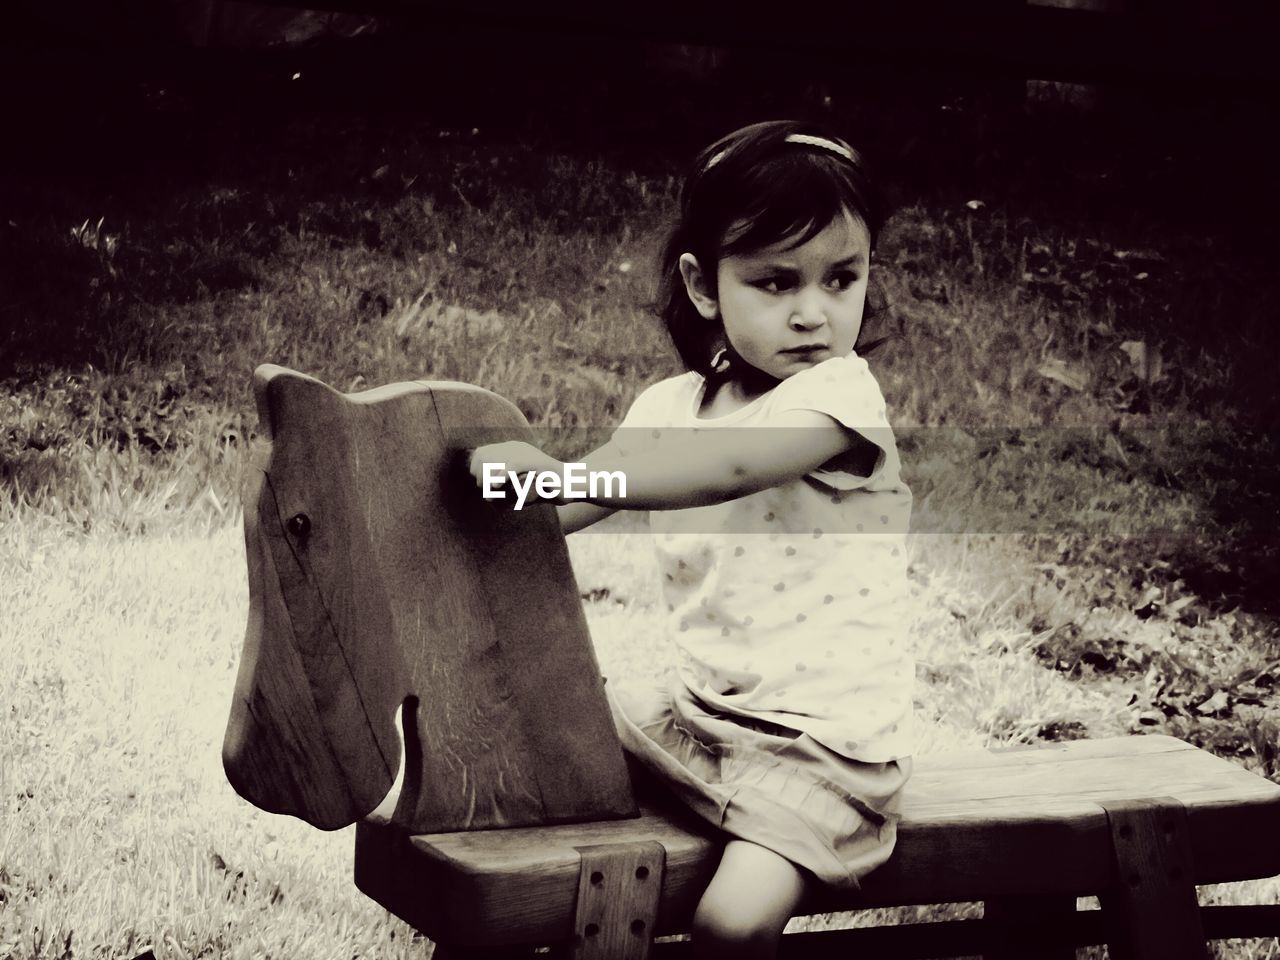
<point x="695" y="284"/>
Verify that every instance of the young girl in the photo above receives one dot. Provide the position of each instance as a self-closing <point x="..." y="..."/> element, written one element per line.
<point x="778" y="517"/>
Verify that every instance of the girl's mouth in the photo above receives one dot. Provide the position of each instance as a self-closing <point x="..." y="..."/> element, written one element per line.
<point x="805" y="351"/>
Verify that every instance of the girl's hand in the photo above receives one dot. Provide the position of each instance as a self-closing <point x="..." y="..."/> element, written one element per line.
<point x="513" y="457"/>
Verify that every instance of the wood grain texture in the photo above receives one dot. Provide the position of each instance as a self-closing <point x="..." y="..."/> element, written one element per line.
<point x="618" y="890"/>
<point x="1153" y="904"/>
<point x="977" y="826"/>
<point x="381" y="581"/>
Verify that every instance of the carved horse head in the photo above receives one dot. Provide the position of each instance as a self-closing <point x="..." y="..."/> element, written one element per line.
<point x="404" y="631"/>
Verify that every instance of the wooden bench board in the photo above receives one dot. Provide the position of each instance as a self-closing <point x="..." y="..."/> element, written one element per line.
<point x="974" y="826"/>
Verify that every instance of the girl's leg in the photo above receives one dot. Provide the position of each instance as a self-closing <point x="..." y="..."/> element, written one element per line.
<point x="748" y="903"/>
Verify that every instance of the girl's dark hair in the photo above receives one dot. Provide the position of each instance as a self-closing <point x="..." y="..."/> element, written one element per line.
<point x="749" y="190"/>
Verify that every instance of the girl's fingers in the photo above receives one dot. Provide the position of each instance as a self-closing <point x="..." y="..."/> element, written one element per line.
<point x="520" y="464"/>
<point x="490" y="453"/>
<point x="476" y="462"/>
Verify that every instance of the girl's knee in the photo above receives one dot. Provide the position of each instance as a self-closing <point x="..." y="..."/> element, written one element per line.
<point x="745" y="909"/>
<point x="724" y="930"/>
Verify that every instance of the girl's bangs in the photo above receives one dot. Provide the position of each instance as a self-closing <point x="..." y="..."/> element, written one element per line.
<point x="793" y="205"/>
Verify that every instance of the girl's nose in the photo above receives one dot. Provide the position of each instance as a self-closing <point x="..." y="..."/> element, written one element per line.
<point x="808" y="314"/>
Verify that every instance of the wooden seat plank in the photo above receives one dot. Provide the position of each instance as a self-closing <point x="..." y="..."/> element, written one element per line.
<point x="972" y="839"/>
<point x="1070" y="773"/>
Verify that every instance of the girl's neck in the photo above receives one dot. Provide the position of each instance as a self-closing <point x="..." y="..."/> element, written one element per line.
<point x="733" y="390"/>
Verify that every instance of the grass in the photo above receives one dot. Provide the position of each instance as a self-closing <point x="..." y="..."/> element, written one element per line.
<point x="119" y="831"/>
<point x="1094" y="463"/>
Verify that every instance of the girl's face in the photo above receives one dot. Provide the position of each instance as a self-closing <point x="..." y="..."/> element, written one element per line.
<point x="785" y="310"/>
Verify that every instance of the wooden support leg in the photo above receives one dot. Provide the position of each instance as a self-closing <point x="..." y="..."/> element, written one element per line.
<point x="618" y="892"/>
<point x="1153" y="907"/>
<point x="1019" y="920"/>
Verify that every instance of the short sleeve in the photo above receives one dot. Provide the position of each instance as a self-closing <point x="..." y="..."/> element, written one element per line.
<point x="844" y="389"/>
<point x="654" y="409"/>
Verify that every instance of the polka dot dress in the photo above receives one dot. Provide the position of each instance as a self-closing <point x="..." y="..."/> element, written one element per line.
<point x="790" y="605"/>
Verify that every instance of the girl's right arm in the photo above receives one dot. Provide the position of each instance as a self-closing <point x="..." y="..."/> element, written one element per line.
<point x="579" y="514"/>
<point x="575" y="516"/>
<point x="520" y="457"/>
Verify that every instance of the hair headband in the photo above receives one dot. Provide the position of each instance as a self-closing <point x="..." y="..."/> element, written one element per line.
<point x="802" y="138"/>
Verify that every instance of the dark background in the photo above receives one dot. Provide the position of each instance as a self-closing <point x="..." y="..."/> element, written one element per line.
<point x="116" y="108"/>
<point x="153" y="90"/>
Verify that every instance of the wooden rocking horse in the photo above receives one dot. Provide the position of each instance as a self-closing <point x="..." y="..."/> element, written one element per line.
<point x="417" y="661"/>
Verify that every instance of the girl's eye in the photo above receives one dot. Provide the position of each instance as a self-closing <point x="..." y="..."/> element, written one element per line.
<point x="843" y="281"/>
<point x="771" y="284"/>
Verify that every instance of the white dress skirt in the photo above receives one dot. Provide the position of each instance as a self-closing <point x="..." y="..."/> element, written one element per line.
<point x="757" y="781"/>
